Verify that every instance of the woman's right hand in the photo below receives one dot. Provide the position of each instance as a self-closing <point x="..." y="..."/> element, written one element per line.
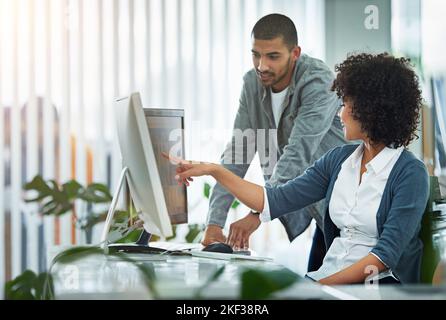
<point x="187" y="169"/>
<point x="246" y="192"/>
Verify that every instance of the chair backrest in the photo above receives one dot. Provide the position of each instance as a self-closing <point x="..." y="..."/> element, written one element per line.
<point x="431" y="253"/>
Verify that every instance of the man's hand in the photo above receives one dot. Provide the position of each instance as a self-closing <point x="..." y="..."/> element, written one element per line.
<point x="241" y="230"/>
<point x="213" y="233"/>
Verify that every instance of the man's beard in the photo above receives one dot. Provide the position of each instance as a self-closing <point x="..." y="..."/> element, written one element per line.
<point x="281" y="77"/>
<point x="284" y="73"/>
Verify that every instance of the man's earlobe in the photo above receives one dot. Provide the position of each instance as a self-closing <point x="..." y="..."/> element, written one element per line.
<point x="296" y="53"/>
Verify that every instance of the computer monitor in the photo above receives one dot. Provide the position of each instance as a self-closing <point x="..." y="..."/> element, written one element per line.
<point x="143" y="134"/>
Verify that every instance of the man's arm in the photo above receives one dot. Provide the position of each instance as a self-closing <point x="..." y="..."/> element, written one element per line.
<point x="236" y="157"/>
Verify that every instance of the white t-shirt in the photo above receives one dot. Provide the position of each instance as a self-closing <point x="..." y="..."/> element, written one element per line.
<point x="277" y="99"/>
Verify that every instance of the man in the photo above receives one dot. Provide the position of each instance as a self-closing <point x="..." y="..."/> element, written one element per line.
<point x="287" y="96"/>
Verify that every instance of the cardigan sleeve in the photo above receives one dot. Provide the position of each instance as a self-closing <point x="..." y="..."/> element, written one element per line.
<point x="409" y="198"/>
<point x="303" y="190"/>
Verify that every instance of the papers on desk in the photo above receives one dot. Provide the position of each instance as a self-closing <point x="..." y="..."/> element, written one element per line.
<point x="227" y="256"/>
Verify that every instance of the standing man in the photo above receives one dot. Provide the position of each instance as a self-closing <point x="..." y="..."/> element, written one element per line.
<point x="287" y="97"/>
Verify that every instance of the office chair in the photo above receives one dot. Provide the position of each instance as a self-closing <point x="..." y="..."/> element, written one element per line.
<point x="431" y="252"/>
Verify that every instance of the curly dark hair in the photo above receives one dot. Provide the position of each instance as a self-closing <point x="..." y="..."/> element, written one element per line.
<point x="385" y="96"/>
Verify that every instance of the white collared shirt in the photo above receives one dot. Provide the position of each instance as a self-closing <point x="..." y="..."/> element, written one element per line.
<point x="353" y="207"/>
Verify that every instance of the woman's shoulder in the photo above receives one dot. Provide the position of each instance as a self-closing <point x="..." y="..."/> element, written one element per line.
<point x="410" y="165"/>
<point x="408" y="159"/>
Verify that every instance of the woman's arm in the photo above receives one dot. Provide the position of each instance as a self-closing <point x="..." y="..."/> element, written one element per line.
<point x="357" y="272"/>
<point x="296" y="194"/>
<point x="246" y="192"/>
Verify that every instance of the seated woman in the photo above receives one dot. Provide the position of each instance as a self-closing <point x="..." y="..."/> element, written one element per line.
<point x="375" y="192"/>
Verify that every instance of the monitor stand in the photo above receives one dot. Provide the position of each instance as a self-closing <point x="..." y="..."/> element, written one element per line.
<point x="141" y="245"/>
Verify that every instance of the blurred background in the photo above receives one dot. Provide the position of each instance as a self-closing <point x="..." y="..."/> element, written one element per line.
<point x="64" y="62"/>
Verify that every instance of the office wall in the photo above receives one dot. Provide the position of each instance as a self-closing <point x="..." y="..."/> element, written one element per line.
<point x="356" y="26"/>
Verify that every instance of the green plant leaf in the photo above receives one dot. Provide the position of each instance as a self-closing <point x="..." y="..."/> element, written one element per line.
<point x="49" y="207"/>
<point x="195" y="231"/>
<point x="72" y="189"/>
<point x="207" y="190"/>
<point x="96" y="193"/>
<point x="42" y="280"/>
<point x="121" y="216"/>
<point x="91" y="220"/>
<point x="235" y="204"/>
<point x="28" y="286"/>
<point x="146" y="268"/>
<point x="54" y="200"/>
<point x="38" y="184"/>
<point x="174" y="233"/>
<point x="39" y="198"/>
<point x="131" y="237"/>
<point x="63" y="208"/>
<point x="72" y="254"/>
<point x="260" y="284"/>
<point x="21" y="288"/>
<point x="212" y="278"/>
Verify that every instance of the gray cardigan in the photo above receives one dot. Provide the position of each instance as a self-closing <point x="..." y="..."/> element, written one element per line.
<point x="399" y="214"/>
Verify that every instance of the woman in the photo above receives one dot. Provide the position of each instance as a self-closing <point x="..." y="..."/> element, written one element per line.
<point x="375" y="192"/>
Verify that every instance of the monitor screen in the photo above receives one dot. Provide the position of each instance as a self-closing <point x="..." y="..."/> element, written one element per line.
<point x="166" y="127"/>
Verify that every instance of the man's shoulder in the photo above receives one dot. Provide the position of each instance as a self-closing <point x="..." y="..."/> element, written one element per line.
<point x="312" y="61"/>
<point x="310" y="69"/>
<point x="312" y="66"/>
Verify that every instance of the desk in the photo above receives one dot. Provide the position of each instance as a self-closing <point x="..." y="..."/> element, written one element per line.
<point x="179" y="277"/>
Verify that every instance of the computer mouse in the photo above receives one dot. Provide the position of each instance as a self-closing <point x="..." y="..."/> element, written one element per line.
<point x="218" y="247"/>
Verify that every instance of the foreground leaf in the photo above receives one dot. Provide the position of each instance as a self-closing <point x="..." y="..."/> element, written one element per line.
<point x="29" y="286"/>
<point x="212" y="278"/>
<point x="259" y="284"/>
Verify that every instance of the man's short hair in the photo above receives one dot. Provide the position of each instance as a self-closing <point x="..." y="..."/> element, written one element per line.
<point x="276" y="25"/>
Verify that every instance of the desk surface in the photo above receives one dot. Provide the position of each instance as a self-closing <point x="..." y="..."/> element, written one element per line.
<point x="177" y="277"/>
<point x="180" y="277"/>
